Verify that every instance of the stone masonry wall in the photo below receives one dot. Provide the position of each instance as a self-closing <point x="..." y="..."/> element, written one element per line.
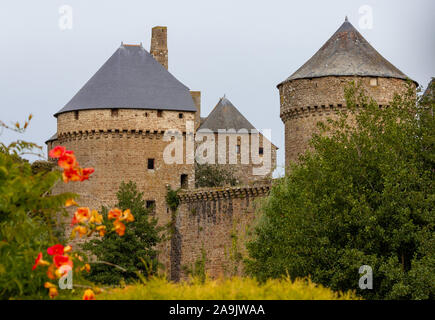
<point x="214" y="221"/>
<point x="305" y="102"/>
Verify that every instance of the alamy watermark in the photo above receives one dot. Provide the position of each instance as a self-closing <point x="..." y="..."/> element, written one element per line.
<point x="222" y="147"/>
<point x="366" y="19"/>
<point x="366" y="280"/>
<point x="66" y="17"/>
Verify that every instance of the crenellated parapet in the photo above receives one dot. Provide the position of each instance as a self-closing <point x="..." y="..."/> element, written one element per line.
<point x="205" y="194"/>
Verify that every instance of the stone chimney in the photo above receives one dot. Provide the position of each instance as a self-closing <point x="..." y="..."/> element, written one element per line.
<point x="196" y="96"/>
<point x="159" y="45"/>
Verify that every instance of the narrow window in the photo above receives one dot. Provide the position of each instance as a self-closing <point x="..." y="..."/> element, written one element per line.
<point x="238" y="149"/>
<point x="180" y="115"/>
<point x="150" y="164"/>
<point x="261" y="150"/>
<point x="183" y="181"/>
<point x="159" y="113"/>
<point x="146" y="114"/>
<point x="151" y="205"/>
<point x="114" y="112"/>
<point x="76" y="115"/>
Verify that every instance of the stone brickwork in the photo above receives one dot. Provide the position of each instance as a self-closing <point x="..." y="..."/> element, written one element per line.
<point x="214" y="221"/>
<point x="305" y="102"/>
<point x="159" y="45"/>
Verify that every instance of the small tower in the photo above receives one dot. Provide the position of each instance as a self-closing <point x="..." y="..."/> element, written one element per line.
<point x="316" y="90"/>
<point x="159" y="45"/>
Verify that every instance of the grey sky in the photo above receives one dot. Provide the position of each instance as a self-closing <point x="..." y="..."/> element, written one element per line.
<point x="239" y="48"/>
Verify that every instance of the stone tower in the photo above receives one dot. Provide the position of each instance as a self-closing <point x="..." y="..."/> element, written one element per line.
<point x="316" y="90"/>
<point x="116" y="123"/>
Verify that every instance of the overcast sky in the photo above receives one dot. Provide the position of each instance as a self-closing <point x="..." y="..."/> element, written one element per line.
<point x="239" y="48"/>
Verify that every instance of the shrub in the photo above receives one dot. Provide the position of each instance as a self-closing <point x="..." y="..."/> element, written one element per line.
<point x="128" y="253"/>
<point x="364" y="196"/>
<point x="213" y="175"/>
<point x="27" y="223"/>
<point x="225" y="289"/>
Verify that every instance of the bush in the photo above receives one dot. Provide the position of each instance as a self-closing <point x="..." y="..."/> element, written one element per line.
<point x="132" y="253"/>
<point x="27" y="212"/>
<point x="225" y="289"/>
<point x="364" y="196"/>
<point x="213" y="175"/>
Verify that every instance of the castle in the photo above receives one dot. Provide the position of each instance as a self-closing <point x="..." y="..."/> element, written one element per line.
<point x="123" y="119"/>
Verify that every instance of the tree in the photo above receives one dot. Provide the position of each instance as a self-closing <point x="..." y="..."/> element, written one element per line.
<point x="213" y="175"/>
<point x="363" y="196"/>
<point x="120" y="258"/>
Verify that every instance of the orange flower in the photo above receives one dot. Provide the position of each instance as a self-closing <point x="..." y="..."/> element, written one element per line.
<point x="89" y="295"/>
<point x="127" y="216"/>
<point x="82" y="230"/>
<point x="114" y="214"/>
<point x="70" y="202"/>
<point x="67" y="249"/>
<point x="86" y="267"/>
<point x="55" y="250"/>
<point x="51" y="272"/>
<point x="96" y="217"/>
<point x="101" y="230"/>
<point x="67" y="160"/>
<point x="52" y="290"/>
<point x="40" y="262"/>
<point x="119" y="227"/>
<point x="57" y="152"/>
<point x="82" y="214"/>
<point x="71" y="174"/>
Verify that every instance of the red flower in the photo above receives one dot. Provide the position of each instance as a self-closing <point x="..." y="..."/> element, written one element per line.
<point x="86" y="173"/>
<point x="55" y="250"/>
<point x="61" y="260"/>
<point x="39" y="261"/>
<point x="57" y="152"/>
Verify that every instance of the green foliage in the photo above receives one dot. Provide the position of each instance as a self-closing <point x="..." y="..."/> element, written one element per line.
<point x="364" y="196"/>
<point x="213" y="175"/>
<point x="42" y="166"/>
<point x="27" y="212"/>
<point x="225" y="289"/>
<point x="121" y="258"/>
<point x="172" y="199"/>
<point x="197" y="270"/>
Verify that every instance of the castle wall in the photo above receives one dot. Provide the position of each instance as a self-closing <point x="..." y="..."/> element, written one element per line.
<point x="214" y="221"/>
<point x="305" y="102"/>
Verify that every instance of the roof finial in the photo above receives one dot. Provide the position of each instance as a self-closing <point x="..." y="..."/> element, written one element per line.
<point x="345" y="19"/>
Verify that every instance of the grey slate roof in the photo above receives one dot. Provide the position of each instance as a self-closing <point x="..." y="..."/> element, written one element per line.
<point x="131" y="78"/>
<point x="346" y="53"/>
<point x="53" y="137"/>
<point x="225" y="116"/>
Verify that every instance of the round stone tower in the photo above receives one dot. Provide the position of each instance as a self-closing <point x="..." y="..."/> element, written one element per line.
<point x="116" y="123"/>
<point x="315" y="91"/>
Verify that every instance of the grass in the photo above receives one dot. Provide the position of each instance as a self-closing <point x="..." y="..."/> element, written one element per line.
<point x="225" y="289"/>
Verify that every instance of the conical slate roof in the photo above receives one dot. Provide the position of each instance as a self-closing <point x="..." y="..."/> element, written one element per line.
<point x="225" y="116"/>
<point x="347" y="53"/>
<point x="131" y="78"/>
